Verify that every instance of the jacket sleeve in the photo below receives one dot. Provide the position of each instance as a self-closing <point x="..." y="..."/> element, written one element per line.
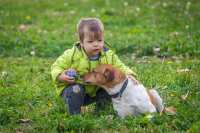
<point x="62" y="63"/>
<point x="119" y="64"/>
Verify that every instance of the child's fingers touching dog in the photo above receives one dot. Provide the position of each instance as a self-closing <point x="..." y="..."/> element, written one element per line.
<point x="134" y="79"/>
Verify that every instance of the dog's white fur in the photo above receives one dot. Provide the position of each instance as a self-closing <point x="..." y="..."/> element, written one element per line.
<point x="135" y="99"/>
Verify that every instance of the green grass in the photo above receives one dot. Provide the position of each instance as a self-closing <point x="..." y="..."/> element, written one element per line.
<point x="133" y="28"/>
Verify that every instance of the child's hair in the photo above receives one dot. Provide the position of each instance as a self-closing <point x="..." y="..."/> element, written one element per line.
<point x="90" y="26"/>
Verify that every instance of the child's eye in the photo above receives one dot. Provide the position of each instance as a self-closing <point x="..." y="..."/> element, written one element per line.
<point x="89" y="41"/>
<point x="100" y="40"/>
<point x="95" y="75"/>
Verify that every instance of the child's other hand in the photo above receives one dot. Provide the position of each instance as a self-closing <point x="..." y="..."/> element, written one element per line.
<point x="134" y="79"/>
<point x="63" y="77"/>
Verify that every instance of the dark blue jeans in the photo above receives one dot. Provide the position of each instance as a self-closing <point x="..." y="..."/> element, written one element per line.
<point x="75" y="97"/>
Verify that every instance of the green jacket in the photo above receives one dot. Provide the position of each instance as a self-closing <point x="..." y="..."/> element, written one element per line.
<point x="77" y="59"/>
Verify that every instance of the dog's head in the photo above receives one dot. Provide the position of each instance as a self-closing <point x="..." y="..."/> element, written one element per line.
<point x="104" y="75"/>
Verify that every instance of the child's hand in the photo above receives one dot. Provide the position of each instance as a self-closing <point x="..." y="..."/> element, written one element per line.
<point x="68" y="76"/>
<point x="134" y="80"/>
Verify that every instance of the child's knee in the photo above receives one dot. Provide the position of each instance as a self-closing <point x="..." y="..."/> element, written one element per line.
<point x="73" y="97"/>
<point x="73" y="90"/>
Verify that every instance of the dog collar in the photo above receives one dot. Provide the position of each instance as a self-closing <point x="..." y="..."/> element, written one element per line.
<point x="121" y="90"/>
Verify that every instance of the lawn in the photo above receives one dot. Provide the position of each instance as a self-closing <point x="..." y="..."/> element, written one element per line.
<point x="159" y="40"/>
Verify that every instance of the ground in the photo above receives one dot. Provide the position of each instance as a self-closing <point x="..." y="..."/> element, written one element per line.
<point x="158" y="40"/>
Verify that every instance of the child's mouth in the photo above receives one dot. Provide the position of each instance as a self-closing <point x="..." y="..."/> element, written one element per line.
<point x="96" y="50"/>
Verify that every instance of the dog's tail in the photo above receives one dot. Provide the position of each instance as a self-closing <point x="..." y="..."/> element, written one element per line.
<point x="156" y="100"/>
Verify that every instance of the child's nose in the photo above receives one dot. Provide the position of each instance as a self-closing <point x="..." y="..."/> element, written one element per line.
<point x="96" y="43"/>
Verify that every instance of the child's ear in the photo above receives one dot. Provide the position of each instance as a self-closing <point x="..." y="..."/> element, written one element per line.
<point x="109" y="74"/>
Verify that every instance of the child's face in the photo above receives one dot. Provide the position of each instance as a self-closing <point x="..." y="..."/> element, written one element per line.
<point x="92" y="45"/>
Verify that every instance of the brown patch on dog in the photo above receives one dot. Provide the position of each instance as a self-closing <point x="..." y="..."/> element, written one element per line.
<point x="109" y="74"/>
<point x="105" y="75"/>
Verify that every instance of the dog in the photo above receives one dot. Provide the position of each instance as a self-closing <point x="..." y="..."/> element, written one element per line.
<point x="129" y="97"/>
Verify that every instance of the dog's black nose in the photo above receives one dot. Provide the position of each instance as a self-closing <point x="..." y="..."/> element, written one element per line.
<point x="87" y="82"/>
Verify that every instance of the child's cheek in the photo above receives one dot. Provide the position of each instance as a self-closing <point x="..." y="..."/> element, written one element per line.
<point x="101" y="46"/>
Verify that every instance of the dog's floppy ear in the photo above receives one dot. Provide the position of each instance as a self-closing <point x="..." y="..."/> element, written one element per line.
<point x="109" y="74"/>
